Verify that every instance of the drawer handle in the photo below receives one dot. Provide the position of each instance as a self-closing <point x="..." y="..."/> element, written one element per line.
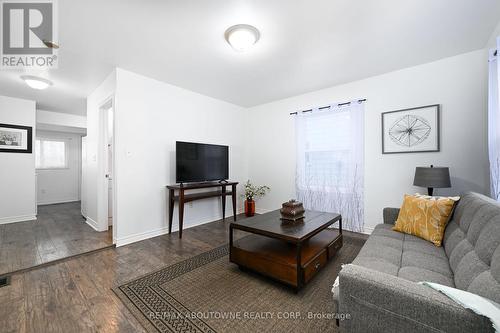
<point x="317" y="265"/>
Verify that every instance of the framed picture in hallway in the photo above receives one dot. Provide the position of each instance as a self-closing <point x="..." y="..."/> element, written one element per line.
<point x="414" y="130"/>
<point x="15" y="139"/>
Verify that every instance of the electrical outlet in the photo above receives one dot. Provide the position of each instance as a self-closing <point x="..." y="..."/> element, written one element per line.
<point x="190" y="205"/>
<point x="43" y="191"/>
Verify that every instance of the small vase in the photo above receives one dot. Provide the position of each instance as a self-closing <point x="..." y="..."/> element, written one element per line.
<point x="249" y="208"/>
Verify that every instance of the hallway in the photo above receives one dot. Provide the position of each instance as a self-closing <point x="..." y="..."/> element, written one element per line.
<point x="60" y="231"/>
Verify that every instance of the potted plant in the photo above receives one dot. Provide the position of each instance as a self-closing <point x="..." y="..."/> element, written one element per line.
<point x="253" y="192"/>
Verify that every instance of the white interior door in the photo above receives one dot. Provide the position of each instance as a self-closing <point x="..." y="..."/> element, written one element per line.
<point x="110" y="132"/>
<point x="83" y="185"/>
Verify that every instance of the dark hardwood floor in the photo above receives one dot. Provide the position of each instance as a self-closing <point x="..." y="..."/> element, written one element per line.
<point x="60" y="231"/>
<point x="75" y="295"/>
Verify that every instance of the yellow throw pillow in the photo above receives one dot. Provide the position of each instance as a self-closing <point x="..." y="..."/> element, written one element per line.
<point x="425" y="216"/>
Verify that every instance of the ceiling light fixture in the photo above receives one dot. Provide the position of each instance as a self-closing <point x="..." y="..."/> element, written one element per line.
<point x="242" y="36"/>
<point x="36" y="82"/>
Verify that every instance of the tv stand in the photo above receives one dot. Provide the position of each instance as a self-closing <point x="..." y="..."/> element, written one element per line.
<point x="182" y="198"/>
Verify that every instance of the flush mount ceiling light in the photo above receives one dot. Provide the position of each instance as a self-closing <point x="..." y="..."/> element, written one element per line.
<point x="242" y="36"/>
<point x="36" y="82"/>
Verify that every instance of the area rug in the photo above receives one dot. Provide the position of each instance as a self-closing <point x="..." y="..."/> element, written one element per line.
<point x="207" y="293"/>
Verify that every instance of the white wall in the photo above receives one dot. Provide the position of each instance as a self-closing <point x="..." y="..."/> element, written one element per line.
<point x="93" y="171"/>
<point x="492" y="42"/>
<point x="149" y="117"/>
<point x="60" y="185"/>
<point x="61" y="119"/>
<point x="458" y="84"/>
<point x="61" y="122"/>
<point x="17" y="170"/>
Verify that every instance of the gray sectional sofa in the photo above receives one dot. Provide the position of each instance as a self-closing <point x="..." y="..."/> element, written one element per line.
<point x="379" y="290"/>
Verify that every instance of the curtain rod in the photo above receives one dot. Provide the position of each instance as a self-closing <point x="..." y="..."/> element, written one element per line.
<point x="328" y="106"/>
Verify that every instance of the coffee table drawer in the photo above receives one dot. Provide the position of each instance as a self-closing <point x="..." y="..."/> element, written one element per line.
<point x="334" y="247"/>
<point x="315" y="265"/>
<point x="262" y="264"/>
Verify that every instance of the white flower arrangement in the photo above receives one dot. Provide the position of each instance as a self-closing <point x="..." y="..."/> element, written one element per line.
<point x="252" y="191"/>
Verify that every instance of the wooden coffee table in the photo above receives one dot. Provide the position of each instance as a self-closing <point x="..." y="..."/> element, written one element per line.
<point x="289" y="253"/>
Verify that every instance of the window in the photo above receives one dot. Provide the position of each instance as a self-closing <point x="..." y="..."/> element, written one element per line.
<point x="330" y="162"/>
<point x="327" y="150"/>
<point x="51" y="154"/>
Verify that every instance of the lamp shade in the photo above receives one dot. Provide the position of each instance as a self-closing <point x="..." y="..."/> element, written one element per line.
<point x="433" y="177"/>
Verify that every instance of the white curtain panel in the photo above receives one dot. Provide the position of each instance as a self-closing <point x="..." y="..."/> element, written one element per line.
<point x="330" y="162"/>
<point x="494" y="123"/>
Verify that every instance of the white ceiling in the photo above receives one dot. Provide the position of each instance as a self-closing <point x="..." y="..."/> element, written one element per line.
<point x="305" y="45"/>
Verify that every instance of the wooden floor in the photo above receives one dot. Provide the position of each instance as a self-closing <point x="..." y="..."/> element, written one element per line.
<point x="76" y="296"/>
<point x="60" y="231"/>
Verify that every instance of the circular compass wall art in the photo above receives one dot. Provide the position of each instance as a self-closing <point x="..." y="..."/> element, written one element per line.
<point x="411" y="130"/>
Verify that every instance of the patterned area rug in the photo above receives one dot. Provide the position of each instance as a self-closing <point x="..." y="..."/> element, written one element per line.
<point x="207" y="293"/>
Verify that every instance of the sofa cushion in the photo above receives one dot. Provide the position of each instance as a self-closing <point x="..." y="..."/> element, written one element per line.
<point x="483" y="216"/>
<point x="385" y="230"/>
<point x="453" y="235"/>
<point x="469" y="212"/>
<point x="406" y="256"/>
<point x="424" y="248"/>
<point x="377" y="264"/>
<point x="466" y="208"/>
<point x="382" y="251"/>
<point x="427" y="262"/>
<point x="468" y="269"/>
<point x="488" y="240"/>
<point x="416" y="274"/>
<point x="459" y="253"/>
<point x="472" y="242"/>
<point x="487" y="283"/>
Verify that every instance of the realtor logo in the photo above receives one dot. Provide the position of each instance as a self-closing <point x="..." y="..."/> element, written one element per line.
<point x="27" y="29"/>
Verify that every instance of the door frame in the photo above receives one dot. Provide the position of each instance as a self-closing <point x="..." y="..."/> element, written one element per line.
<point x="103" y="183"/>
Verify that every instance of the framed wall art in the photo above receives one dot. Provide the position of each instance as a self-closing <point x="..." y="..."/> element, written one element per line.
<point x="414" y="130"/>
<point x="15" y="139"/>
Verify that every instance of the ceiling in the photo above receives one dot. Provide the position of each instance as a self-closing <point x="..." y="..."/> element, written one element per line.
<point x="305" y="45"/>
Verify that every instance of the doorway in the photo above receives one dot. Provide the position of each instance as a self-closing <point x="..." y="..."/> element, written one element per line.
<point x="107" y="216"/>
<point x="61" y="228"/>
<point x="110" y="167"/>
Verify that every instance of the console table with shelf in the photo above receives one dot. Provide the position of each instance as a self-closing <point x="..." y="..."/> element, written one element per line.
<point x="177" y="192"/>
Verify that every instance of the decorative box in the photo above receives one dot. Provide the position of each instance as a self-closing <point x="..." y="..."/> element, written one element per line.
<point x="292" y="211"/>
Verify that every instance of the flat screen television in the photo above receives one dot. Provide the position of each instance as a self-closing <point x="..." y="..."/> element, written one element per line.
<point x="199" y="162"/>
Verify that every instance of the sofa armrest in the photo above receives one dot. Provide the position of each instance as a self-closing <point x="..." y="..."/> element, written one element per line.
<point x="379" y="302"/>
<point x="390" y="215"/>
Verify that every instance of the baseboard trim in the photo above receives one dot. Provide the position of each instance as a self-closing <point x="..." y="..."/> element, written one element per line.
<point x="367" y="230"/>
<point x="93" y="224"/>
<point x="45" y="203"/>
<point x="161" y="231"/>
<point x="262" y="210"/>
<point x="141" y="236"/>
<point x="175" y="228"/>
<point x="14" y="219"/>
